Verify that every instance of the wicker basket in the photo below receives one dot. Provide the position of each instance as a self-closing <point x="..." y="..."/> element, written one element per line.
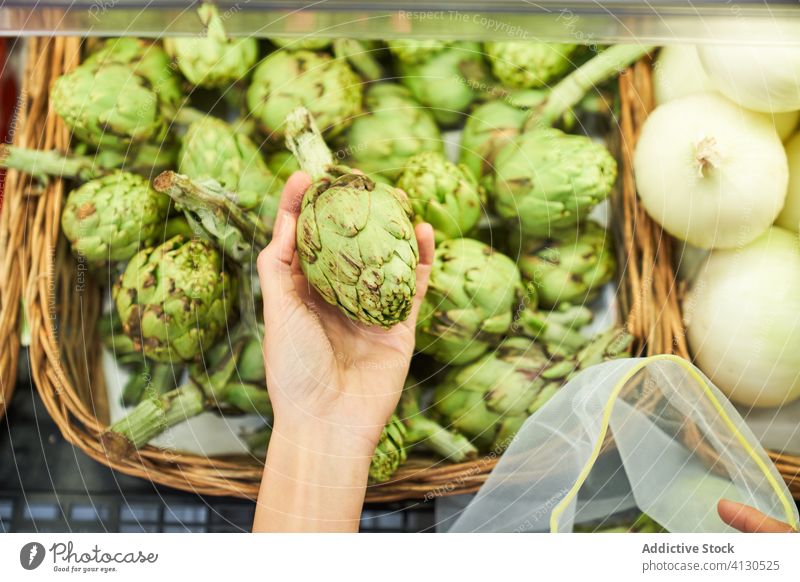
<point x="68" y="373"/>
<point x="28" y="127"/>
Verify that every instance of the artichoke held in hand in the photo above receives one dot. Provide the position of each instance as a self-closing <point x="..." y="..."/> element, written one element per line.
<point x="355" y="239"/>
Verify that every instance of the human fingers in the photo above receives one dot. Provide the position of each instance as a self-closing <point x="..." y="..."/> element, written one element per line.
<point x="748" y="519"/>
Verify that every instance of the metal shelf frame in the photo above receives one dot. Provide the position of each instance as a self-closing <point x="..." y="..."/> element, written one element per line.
<point x="584" y="22"/>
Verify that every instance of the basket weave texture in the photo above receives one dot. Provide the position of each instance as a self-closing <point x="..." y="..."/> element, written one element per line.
<point x="64" y="304"/>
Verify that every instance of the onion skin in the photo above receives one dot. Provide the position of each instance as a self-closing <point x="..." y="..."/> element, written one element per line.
<point x="761" y="78"/>
<point x="742" y="319"/>
<point x="711" y="173"/>
<point x="678" y="73"/>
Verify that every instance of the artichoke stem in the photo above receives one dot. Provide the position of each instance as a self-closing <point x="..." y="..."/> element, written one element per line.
<point x="42" y="164"/>
<point x="151" y="417"/>
<point x="208" y="204"/>
<point x="570" y="90"/>
<point x="305" y="142"/>
<point x="452" y="446"/>
<point x="135" y="386"/>
<point x="248" y="398"/>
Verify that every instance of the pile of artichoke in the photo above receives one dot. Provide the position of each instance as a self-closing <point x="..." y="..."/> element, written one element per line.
<point x="517" y="258"/>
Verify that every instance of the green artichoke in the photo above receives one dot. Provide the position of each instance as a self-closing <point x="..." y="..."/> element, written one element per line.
<point x="571" y="266"/>
<point x="109" y="106"/>
<point x="214" y="61"/>
<point x="489" y="399"/>
<point x="491" y="126"/>
<point x="213" y="149"/>
<point x="110" y="218"/>
<point x="558" y="330"/>
<point x="549" y="180"/>
<point x="414" y="51"/>
<point x="309" y="43"/>
<point x="390" y="452"/>
<point x="211" y="385"/>
<point x="355" y="238"/>
<point x="286" y="80"/>
<point x="472" y="296"/>
<point x="441" y="193"/>
<point x="395" y="128"/>
<point x="144" y="58"/>
<point x="441" y="81"/>
<point x="527" y="65"/>
<point x="174" y="299"/>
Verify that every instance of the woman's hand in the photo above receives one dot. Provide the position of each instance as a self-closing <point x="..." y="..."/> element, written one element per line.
<point x="322" y="367"/>
<point x="333" y="384"/>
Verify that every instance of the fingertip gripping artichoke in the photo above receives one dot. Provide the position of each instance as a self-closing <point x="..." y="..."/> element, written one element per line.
<point x="527" y="65"/>
<point x="571" y="266"/>
<point x="549" y="180"/>
<point x="473" y="293"/>
<point x="174" y="300"/>
<point x="355" y="238"/>
<point x="357" y="248"/>
<point x="395" y="128"/>
<point x="214" y="61"/>
<point x="112" y="217"/>
<point x="286" y="80"/>
<point x="441" y="193"/>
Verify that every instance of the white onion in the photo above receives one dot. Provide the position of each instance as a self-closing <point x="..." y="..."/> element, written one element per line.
<point x="789" y="217"/>
<point x="678" y="73"/>
<point x="743" y="320"/>
<point x="711" y="173"/>
<point x="762" y="78"/>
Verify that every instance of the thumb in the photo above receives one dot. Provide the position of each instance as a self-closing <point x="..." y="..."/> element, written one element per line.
<point x="425" y="242"/>
<point x="274" y="263"/>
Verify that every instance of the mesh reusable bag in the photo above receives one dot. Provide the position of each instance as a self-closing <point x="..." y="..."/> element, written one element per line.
<point x="648" y="432"/>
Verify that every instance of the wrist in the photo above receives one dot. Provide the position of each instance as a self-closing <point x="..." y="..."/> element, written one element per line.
<point x="324" y="439"/>
<point x="314" y="480"/>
